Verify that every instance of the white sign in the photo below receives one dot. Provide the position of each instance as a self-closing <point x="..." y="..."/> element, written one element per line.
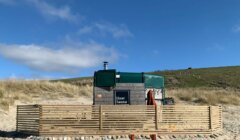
<point x="157" y="93"/>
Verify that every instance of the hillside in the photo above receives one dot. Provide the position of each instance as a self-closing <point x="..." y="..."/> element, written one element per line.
<point x="12" y="91"/>
<point x="222" y="77"/>
<point x="80" y="81"/>
<point x="205" y="77"/>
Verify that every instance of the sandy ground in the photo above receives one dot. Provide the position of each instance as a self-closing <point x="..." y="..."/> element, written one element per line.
<point x="231" y="122"/>
<point x="8" y="118"/>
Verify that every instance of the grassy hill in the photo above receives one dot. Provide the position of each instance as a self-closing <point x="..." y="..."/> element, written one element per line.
<point x="35" y="91"/>
<point x="80" y="81"/>
<point x="204" y="77"/>
<point x="222" y="77"/>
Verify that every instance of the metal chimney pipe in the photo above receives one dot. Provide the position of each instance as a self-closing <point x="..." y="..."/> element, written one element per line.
<point x="105" y="65"/>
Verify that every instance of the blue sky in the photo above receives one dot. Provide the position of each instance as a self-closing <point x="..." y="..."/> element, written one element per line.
<point x="51" y="39"/>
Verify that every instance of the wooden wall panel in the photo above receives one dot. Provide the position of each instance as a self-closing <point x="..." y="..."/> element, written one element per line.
<point x="105" y="95"/>
<point x="27" y="119"/>
<point x="73" y="120"/>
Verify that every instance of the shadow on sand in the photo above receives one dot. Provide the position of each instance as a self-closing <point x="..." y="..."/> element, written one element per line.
<point x="12" y="134"/>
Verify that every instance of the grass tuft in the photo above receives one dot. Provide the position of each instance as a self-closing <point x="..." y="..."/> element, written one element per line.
<point x="27" y="91"/>
<point x="211" y="96"/>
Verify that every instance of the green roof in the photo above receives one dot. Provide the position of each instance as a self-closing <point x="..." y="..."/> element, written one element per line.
<point x="105" y="78"/>
<point x="130" y="77"/>
<point x="109" y="78"/>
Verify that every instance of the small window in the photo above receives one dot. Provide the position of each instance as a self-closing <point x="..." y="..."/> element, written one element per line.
<point x="122" y="97"/>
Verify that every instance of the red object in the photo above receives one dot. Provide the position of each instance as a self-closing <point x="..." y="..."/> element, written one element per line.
<point x="154" y="137"/>
<point x="150" y="99"/>
<point x="132" y="136"/>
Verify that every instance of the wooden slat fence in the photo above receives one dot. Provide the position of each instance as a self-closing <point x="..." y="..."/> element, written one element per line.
<point x="70" y="120"/>
<point x="28" y="119"/>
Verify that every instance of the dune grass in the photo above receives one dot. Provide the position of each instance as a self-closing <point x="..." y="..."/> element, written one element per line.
<point x="208" y="96"/>
<point x="27" y="91"/>
<point x="81" y="81"/>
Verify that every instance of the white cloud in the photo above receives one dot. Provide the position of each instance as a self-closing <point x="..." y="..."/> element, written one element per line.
<point x="120" y="31"/>
<point x="47" y="9"/>
<point x="67" y="59"/>
<point x="116" y="31"/>
<point x="86" y="30"/>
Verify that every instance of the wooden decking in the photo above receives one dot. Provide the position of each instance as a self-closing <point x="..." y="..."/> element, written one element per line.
<point x="72" y="120"/>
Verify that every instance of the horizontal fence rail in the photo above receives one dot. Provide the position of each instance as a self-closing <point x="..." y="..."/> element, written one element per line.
<point x="70" y="120"/>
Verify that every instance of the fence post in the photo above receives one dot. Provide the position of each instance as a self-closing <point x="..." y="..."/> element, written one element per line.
<point x="160" y="113"/>
<point x="132" y="137"/>
<point x="17" y="119"/>
<point x="210" y="117"/>
<point x="156" y="117"/>
<point x="40" y="119"/>
<point x="221" y="116"/>
<point x="100" y="117"/>
<point x="154" y="137"/>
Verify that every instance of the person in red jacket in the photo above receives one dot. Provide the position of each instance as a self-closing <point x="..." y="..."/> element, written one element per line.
<point x="150" y="98"/>
<point x="151" y="101"/>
